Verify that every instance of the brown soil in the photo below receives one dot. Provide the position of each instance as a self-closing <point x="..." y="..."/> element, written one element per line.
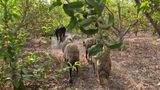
<point x="136" y="68"/>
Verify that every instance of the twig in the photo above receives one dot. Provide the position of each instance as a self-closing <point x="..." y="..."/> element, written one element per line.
<point x="120" y="19"/>
<point x="128" y="29"/>
<point x="115" y="33"/>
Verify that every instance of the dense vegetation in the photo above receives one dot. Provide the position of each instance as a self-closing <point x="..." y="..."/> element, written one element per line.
<point x="22" y="20"/>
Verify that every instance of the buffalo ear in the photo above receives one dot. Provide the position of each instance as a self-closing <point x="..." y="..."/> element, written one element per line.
<point x="83" y="43"/>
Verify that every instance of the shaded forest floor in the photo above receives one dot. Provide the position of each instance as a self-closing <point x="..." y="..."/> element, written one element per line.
<point x="136" y="68"/>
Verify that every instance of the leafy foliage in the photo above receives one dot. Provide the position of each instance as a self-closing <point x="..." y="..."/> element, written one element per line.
<point x="21" y="19"/>
<point x="144" y="7"/>
<point x="87" y="21"/>
<point x="54" y="4"/>
<point x="89" y="31"/>
<point x="15" y="68"/>
<point x="95" y="49"/>
<point x="76" y="9"/>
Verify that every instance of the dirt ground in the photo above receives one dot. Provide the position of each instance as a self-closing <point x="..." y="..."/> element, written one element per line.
<point x="136" y="68"/>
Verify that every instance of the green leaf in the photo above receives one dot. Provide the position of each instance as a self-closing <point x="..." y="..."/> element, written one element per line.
<point x="138" y="8"/>
<point x="75" y="5"/>
<point x="29" y="77"/>
<point x="114" y="44"/>
<point x="110" y="20"/>
<point x="92" y="12"/>
<point x="54" y="4"/>
<point x="95" y="49"/>
<point x="104" y="39"/>
<point x="108" y="23"/>
<point x="98" y="5"/>
<point x="87" y="21"/>
<point x="25" y="71"/>
<point x="99" y="10"/>
<point x="7" y="70"/>
<point x="123" y="47"/>
<point x="13" y="64"/>
<point x="69" y="64"/>
<point x="102" y="2"/>
<point x="15" y="16"/>
<point x="106" y="27"/>
<point x="67" y="10"/>
<point x="77" y="63"/>
<point x="156" y="16"/>
<point x="89" y="31"/>
<point x="11" y="2"/>
<point x="145" y="6"/>
<point x="92" y="3"/>
<point x="72" y="24"/>
<point x="15" y="81"/>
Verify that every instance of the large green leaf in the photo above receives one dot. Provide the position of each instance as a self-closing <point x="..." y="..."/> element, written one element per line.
<point x="89" y="12"/>
<point x="95" y="49"/>
<point x="7" y="71"/>
<point x="106" y="27"/>
<point x="71" y="7"/>
<point x="72" y="24"/>
<point x="15" y="81"/>
<point x="115" y="45"/>
<point x="98" y="5"/>
<point x="89" y="31"/>
<point x="29" y="77"/>
<point x="92" y="3"/>
<point x="67" y="10"/>
<point x="99" y="10"/>
<point x="108" y="23"/>
<point x="102" y="2"/>
<point x="87" y="21"/>
<point x="75" y="5"/>
<point x="54" y="4"/>
<point x="112" y="44"/>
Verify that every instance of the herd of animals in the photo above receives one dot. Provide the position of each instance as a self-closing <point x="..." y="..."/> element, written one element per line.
<point x="101" y="63"/>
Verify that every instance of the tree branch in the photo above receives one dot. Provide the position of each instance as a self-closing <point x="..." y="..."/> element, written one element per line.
<point x="154" y="24"/>
<point x="128" y="29"/>
<point x="113" y="26"/>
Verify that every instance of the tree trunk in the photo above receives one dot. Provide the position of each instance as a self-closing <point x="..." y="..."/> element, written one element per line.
<point x="136" y="29"/>
<point x="120" y="20"/>
<point x="154" y="24"/>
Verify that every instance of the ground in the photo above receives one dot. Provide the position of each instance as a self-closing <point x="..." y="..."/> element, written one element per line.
<point x="135" y="68"/>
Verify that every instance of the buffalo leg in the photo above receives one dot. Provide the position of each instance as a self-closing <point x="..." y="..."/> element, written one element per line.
<point x="70" y="75"/>
<point x="77" y="69"/>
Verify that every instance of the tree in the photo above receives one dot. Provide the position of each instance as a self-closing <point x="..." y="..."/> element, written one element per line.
<point x="145" y="7"/>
